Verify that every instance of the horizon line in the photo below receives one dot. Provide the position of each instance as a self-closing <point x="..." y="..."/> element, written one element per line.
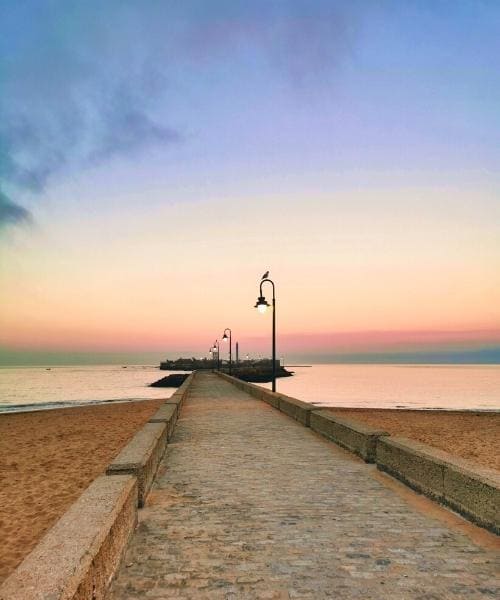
<point x="478" y="356"/>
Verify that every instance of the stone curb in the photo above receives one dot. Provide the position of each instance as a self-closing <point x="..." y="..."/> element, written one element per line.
<point x="167" y="413"/>
<point x="298" y="410"/>
<point x="141" y="457"/>
<point x="352" y="436"/>
<point x="467" y="488"/>
<point x="180" y="393"/>
<point x="79" y="555"/>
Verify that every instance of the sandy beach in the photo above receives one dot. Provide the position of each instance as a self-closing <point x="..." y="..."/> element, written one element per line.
<point x="48" y="458"/>
<point x="471" y="435"/>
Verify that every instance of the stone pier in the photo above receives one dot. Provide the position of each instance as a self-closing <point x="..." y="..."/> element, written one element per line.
<point x="250" y="504"/>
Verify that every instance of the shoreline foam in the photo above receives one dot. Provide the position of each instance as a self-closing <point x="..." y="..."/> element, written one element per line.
<point x="35" y="406"/>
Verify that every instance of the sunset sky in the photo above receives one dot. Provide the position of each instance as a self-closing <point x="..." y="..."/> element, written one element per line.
<point x="157" y="157"/>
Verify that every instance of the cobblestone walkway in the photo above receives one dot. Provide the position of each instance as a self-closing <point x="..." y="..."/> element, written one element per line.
<point x="250" y="504"/>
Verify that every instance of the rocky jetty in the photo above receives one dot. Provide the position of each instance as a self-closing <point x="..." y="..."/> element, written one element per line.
<point x="170" y="380"/>
<point x="258" y="375"/>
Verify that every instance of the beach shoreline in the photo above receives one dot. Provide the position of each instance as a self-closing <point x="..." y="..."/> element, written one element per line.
<point x="8" y="409"/>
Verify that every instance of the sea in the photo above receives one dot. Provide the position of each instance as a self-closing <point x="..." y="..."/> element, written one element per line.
<point x="30" y="388"/>
<point x="447" y="387"/>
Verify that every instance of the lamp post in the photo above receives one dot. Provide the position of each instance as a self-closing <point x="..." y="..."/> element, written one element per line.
<point x="261" y="305"/>
<point x="216" y="349"/>
<point x="224" y="339"/>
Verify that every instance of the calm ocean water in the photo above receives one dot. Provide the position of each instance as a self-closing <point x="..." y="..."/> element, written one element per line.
<point x="25" y="386"/>
<point x="385" y="386"/>
<point x="396" y="386"/>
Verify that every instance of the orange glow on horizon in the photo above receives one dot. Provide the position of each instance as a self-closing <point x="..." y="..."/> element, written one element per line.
<point x="361" y="282"/>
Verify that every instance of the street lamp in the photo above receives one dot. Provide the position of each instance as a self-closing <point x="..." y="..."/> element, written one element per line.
<point x="216" y="349"/>
<point x="262" y="305"/>
<point x="224" y="339"/>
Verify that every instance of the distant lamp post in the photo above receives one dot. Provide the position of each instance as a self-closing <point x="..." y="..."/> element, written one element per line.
<point x="216" y="350"/>
<point x="262" y="305"/>
<point x="225" y="338"/>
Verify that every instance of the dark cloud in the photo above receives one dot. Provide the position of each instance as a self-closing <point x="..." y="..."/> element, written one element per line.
<point x="27" y="159"/>
<point x="11" y="212"/>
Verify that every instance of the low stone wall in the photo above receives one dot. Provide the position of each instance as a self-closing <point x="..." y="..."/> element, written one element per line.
<point x="182" y="391"/>
<point x="298" y="410"/>
<point x="471" y="490"/>
<point x="356" y="437"/>
<point x="78" y="556"/>
<point x="474" y="493"/>
<point x="178" y="397"/>
<point x="175" y="400"/>
<point x="141" y="457"/>
<point x="167" y="413"/>
<point x="414" y="463"/>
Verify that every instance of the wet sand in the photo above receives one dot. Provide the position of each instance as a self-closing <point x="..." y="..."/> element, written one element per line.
<point x="471" y="435"/>
<point x="48" y="458"/>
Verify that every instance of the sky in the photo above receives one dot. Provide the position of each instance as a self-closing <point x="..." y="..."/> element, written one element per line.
<point x="156" y="158"/>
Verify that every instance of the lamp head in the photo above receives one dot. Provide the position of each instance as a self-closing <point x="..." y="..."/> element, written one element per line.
<point x="261" y="304"/>
<point x="224" y="338"/>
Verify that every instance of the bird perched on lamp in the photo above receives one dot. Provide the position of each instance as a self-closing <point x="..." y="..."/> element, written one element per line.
<point x="266" y="275"/>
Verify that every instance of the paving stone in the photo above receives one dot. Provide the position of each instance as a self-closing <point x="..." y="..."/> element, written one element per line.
<point x="249" y="504"/>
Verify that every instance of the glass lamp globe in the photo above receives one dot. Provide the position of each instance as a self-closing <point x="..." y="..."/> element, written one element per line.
<point x="261" y="304"/>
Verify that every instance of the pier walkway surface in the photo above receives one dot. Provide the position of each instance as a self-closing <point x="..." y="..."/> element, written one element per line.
<point x="250" y="504"/>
